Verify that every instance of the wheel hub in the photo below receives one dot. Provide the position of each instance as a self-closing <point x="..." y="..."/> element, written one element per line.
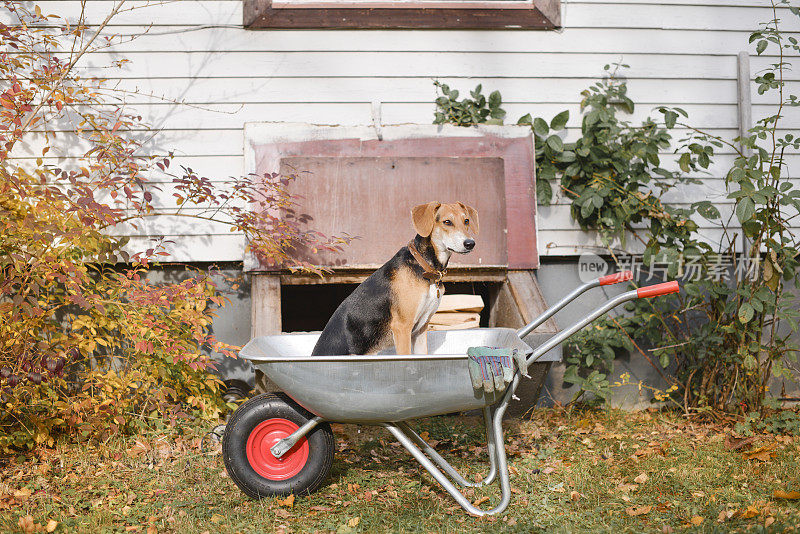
<point x="263" y="437"/>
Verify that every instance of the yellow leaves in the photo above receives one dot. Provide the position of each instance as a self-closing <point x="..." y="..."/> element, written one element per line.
<point x="696" y="520"/>
<point x="634" y="511"/>
<point x="28" y="525"/>
<point x="23" y="493"/>
<point x="750" y="511"/>
<point x="788" y="495"/>
<point x="641" y="479"/>
<point x="480" y="501"/>
<point x="762" y="454"/>
<point x="288" y="502"/>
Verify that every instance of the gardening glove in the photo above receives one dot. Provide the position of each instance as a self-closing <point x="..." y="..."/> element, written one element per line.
<point x="491" y="369"/>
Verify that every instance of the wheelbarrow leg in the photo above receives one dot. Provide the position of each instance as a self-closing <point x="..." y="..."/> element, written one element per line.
<point x="441" y="478"/>
<point x="449" y="469"/>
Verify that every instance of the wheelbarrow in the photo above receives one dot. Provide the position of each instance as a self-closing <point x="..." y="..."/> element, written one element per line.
<point x="276" y="444"/>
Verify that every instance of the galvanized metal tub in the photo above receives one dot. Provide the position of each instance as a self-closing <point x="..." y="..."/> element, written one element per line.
<point x="381" y="388"/>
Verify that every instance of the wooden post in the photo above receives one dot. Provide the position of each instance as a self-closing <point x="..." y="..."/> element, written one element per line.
<point x="265" y="316"/>
<point x="518" y="302"/>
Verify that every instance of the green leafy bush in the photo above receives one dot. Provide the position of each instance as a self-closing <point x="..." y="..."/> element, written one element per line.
<point x="468" y="111"/>
<point x="729" y="332"/>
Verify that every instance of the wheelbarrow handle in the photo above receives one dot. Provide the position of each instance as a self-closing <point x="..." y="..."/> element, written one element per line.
<point x="616" y="278"/>
<point x="643" y="292"/>
<point x="658" y="289"/>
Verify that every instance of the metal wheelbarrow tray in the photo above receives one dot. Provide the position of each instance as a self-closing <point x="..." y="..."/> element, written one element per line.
<point x="275" y="444"/>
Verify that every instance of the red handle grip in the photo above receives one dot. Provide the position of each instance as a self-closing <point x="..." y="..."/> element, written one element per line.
<point x="659" y="289"/>
<point x="616" y="278"/>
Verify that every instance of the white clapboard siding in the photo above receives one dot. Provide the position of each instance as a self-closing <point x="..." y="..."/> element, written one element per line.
<point x="419" y="64"/>
<point x="227" y="116"/>
<point x="197" y="77"/>
<point x="624" y="41"/>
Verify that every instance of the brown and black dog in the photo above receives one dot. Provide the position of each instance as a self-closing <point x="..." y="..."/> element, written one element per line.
<point x="394" y="305"/>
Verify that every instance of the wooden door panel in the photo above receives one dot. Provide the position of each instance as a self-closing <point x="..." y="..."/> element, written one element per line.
<point x="370" y="198"/>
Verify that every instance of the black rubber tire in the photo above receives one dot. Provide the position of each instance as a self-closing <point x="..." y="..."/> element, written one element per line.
<point x="244" y="420"/>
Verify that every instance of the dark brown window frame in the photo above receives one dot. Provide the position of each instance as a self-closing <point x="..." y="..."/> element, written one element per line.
<point x="277" y="14"/>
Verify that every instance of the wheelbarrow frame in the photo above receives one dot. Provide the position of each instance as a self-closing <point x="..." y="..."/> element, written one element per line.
<point x="493" y="413"/>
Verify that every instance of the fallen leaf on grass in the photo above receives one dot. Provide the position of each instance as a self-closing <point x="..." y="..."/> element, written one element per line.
<point x="790" y="495"/>
<point x="735" y="444"/>
<point x="750" y="511"/>
<point x="768" y="521"/>
<point x="638" y="510"/>
<point x="26" y="524"/>
<point x="574" y="496"/>
<point x="725" y="515"/>
<point x="216" y="518"/>
<point x="696" y="520"/>
<point x="480" y="501"/>
<point x="763" y="454"/>
<point x="288" y="501"/>
<point x="641" y="479"/>
<point x="22" y="493"/>
<point x="354" y="522"/>
<point x="51" y="525"/>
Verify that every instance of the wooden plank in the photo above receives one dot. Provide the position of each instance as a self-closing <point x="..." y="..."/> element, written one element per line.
<point x="210" y="93"/>
<point x="356" y="277"/>
<point x="232" y="116"/>
<point x="370" y="199"/>
<point x="504" y="312"/>
<point x="529" y="300"/>
<point x="265" y="299"/>
<point x="265" y="316"/>
<point x="568" y="40"/>
<point x="421" y="64"/>
<point x="261" y="14"/>
<point x="206" y="248"/>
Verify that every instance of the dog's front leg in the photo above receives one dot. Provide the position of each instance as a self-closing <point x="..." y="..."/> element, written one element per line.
<point x="401" y="332"/>
<point x="420" y="341"/>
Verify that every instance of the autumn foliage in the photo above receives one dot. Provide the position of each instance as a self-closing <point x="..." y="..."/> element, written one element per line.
<point x="88" y="345"/>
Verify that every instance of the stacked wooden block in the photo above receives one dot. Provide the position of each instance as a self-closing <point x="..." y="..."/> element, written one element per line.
<point x="457" y="312"/>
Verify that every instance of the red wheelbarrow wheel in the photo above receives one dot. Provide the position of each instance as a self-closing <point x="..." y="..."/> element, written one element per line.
<point x="254" y="428"/>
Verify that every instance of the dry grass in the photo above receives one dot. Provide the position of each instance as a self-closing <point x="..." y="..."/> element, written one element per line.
<point x="571" y="471"/>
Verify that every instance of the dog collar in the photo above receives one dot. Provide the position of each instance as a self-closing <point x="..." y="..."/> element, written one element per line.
<point x="430" y="273"/>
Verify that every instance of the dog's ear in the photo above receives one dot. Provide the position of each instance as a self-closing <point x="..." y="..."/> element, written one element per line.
<point x="472" y="213"/>
<point x="423" y="217"/>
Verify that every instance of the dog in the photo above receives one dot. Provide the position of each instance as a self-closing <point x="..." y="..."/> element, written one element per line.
<point x="395" y="303"/>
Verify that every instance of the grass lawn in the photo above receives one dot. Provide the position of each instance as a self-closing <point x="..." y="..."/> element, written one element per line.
<point x="571" y="471"/>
